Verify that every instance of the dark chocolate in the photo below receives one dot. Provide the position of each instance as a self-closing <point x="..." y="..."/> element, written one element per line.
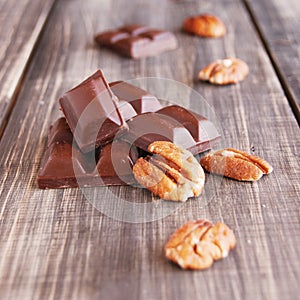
<point x="111" y="165"/>
<point x="91" y="109"/>
<point x="137" y="41"/>
<point x="175" y="124"/>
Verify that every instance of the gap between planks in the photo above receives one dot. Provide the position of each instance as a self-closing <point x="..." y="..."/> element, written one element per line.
<point x="285" y="86"/>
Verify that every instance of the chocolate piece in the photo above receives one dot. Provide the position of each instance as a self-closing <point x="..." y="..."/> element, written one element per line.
<point x="115" y="163"/>
<point x="126" y="110"/>
<point x="133" y="100"/>
<point x="200" y="128"/>
<point x="60" y="132"/>
<point x="175" y="124"/>
<point x="137" y="41"/>
<point x="91" y="109"/>
<point x="67" y="164"/>
<point x="63" y="159"/>
<point x="141" y="100"/>
<point x="150" y="127"/>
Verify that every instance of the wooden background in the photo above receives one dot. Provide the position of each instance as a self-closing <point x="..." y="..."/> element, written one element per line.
<point x="55" y="245"/>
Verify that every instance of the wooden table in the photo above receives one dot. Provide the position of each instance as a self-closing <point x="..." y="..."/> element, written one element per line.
<point x="55" y="245"/>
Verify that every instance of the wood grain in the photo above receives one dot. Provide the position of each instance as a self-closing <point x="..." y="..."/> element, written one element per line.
<point x="21" y="23"/>
<point x="278" y="23"/>
<point x="55" y="245"/>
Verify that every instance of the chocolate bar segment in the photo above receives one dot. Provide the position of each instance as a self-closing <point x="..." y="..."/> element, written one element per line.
<point x="137" y="41"/>
<point x="57" y="169"/>
<point x="115" y="164"/>
<point x="200" y="128"/>
<point x="134" y="29"/>
<point x="64" y="165"/>
<point x="60" y="132"/>
<point x="90" y="108"/>
<point x="126" y="110"/>
<point x="149" y="127"/>
<point x="175" y="124"/>
<point x="138" y="98"/>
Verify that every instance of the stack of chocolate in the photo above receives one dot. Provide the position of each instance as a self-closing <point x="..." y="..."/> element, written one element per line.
<point x="107" y="127"/>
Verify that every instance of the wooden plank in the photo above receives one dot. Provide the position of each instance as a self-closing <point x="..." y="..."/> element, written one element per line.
<point x="278" y="23"/>
<point x="21" y="23"/>
<point x="55" y="245"/>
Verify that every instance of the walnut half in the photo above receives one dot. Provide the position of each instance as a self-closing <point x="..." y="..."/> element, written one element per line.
<point x="172" y="173"/>
<point x="197" y="244"/>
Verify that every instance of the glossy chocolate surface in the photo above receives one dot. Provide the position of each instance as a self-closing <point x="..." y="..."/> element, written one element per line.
<point x="138" y="98"/>
<point x="175" y="124"/>
<point x="149" y="127"/>
<point x="92" y="113"/>
<point x="199" y="127"/>
<point x="137" y="41"/>
<point x="66" y="162"/>
<point x="64" y="165"/>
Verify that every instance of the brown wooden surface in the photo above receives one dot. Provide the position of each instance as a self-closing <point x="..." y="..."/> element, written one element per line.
<point x="21" y="23"/>
<point x="279" y="22"/>
<point x="55" y="245"/>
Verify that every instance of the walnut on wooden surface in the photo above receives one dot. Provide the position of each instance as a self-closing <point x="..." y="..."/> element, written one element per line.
<point x="236" y="164"/>
<point x="204" y="25"/>
<point x="172" y="173"/>
<point x="197" y="244"/>
<point x="224" y="71"/>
